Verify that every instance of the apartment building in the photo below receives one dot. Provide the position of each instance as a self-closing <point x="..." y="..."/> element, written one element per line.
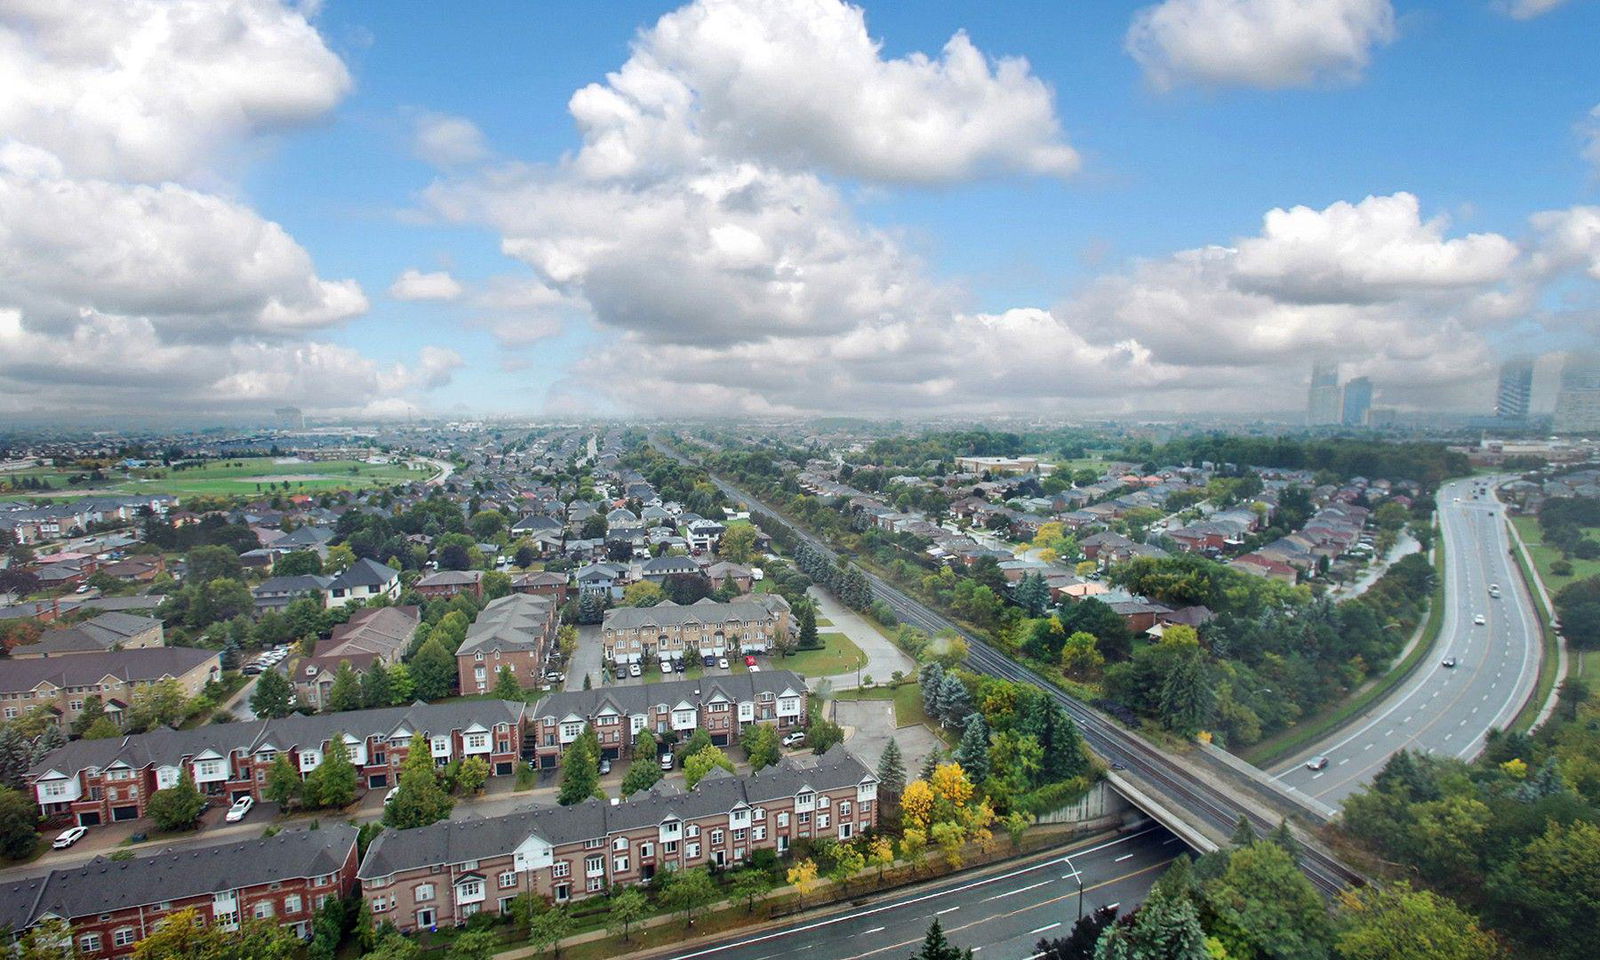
<point x="702" y="629"/>
<point x="722" y="706"/>
<point x="513" y="631"/>
<point x="111" y="905"/>
<point x="64" y="683"/>
<point x="371" y="636"/>
<point x="91" y="782"/>
<point x="450" y="583"/>
<point x="108" y="631"/>
<point x="441" y="875"/>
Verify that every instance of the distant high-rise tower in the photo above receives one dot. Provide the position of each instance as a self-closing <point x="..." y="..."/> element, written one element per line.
<point x="1322" y="405"/>
<point x="1578" y="400"/>
<point x="290" y="418"/>
<point x="1516" y="389"/>
<point x="1357" y="401"/>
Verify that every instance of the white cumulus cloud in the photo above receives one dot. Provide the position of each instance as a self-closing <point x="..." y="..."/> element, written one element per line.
<point x="1268" y="44"/>
<point x="413" y="284"/>
<point x="448" y="141"/>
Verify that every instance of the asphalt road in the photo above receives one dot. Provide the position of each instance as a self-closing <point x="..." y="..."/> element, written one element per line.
<point x="1440" y="709"/>
<point x="999" y="917"/>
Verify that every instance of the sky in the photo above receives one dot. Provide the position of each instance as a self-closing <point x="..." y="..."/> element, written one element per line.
<point x="753" y="207"/>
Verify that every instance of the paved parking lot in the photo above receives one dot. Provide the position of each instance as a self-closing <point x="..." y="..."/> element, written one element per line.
<point x="869" y="724"/>
<point x="585" y="659"/>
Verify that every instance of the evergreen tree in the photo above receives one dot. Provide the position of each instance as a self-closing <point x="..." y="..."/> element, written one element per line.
<point x="333" y="782"/>
<point x="808" y="639"/>
<point x="1063" y="755"/>
<point x="1032" y="594"/>
<point x="377" y="690"/>
<point x="1243" y="834"/>
<point x="1284" y="838"/>
<point x="345" y="694"/>
<point x="16" y="756"/>
<point x="18" y="817"/>
<point x="271" y="696"/>
<point x="432" y="670"/>
<point x="284" y="786"/>
<point x="421" y="800"/>
<point x="1167" y="927"/>
<point x="580" y="769"/>
<point x="936" y="947"/>
<point x="972" y="753"/>
<point x="506" y="686"/>
<point x="955" y="702"/>
<point x="1186" y="697"/>
<point x="931" y="679"/>
<point x="891" y="770"/>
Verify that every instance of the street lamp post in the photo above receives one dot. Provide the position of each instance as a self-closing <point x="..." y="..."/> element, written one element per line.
<point x="1079" y="878"/>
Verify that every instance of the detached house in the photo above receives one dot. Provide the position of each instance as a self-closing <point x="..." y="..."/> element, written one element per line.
<point x="363" y="580"/>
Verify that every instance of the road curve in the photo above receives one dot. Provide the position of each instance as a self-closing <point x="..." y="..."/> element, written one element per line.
<point x="1440" y="709"/>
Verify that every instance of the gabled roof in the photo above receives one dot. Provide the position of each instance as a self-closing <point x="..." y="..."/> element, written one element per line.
<point x="128" y="666"/>
<point x="632" y="700"/>
<point x="364" y="573"/>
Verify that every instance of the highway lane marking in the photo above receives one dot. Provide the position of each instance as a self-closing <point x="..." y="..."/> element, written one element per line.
<point x="1406" y="720"/>
<point x="874" y="930"/>
<point x="1126" y="856"/>
<point x="1389" y="732"/>
<point x="940" y="913"/>
<point x="1344" y="761"/>
<point x="1032" y="886"/>
<point x="1048" y="926"/>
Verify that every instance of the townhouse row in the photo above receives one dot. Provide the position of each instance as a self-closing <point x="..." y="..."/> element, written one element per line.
<point x="701" y="629"/>
<point x="723" y="706"/>
<point x="443" y="874"/>
<point x="110" y="905"/>
<point x="92" y="782"/>
<point x="516" y="632"/>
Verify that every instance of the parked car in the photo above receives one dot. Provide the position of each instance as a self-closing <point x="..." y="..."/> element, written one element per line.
<point x="605" y="766"/>
<point x="68" y="837"/>
<point x="554" y="676"/>
<point x="749" y="661"/>
<point x="667" y="763"/>
<point x="388" y="798"/>
<point x="794" y="739"/>
<point x="708" y="660"/>
<point x="722" y="663"/>
<point x="1317" y="763"/>
<point x="666" y="666"/>
<point x="240" y="807"/>
<point x="633" y="670"/>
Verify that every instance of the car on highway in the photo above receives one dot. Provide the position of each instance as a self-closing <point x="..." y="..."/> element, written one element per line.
<point x="1317" y="763"/>
<point x="794" y="739"/>
<point x="1479" y="620"/>
<point x="68" y="837"/>
<point x="1448" y="662"/>
<point x="240" y="807"/>
<point x="633" y="670"/>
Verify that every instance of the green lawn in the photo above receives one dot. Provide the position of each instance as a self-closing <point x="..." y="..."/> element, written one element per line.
<point x="1587" y="666"/>
<point x="838" y="655"/>
<point x="1543" y="556"/>
<point x="907" y="702"/>
<point x="242" y="477"/>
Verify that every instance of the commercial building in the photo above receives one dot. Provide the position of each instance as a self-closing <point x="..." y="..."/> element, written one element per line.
<point x="1001" y="465"/>
<point x="443" y="874"/>
<point x="1515" y="392"/>
<point x="1357" y="402"/>
<point x="1578" y="400"/>
<point x="722" y="706"/>
<point x="64" y="684"/>
<point x="92" y="782"/>
<point x="113" y="904"/>
<point x="1323" y="400"/>
<point x="704" y="628"/>
<point x="513" y="631"/>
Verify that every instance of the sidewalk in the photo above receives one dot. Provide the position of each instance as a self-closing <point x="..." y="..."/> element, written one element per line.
<point x="1562" y="665"/>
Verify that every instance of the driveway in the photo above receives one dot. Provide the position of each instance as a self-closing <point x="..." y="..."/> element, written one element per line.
<point x="868" y="725"/>
<point x="585" y="659"/>
<point x="883" y="657"/>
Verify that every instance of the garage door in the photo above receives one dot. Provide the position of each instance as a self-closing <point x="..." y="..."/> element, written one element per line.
<point x="377" y="781"/>
<point x="124" y="813"/>
<point x="503" y="768"/>
<point x="235" y="795"/>
<point x="89" y="818"/>
<point x="719" y="739"/>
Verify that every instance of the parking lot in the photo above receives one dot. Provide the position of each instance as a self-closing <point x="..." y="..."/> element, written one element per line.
<point x="868" y="726"/>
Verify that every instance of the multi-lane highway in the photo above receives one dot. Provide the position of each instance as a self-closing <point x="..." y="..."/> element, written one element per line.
<point x="1000" y="916"/>
<point x="1172" y="777"/>
<point x="1446" y="710"/>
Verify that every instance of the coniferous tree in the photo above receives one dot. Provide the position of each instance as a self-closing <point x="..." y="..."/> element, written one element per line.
<point x="936" y="947"/>
<point x="272" y="695"/>
<point x="891" y="770"/>
<point x="506" y="686"/>
<point x="345" y="694"/>
<point x="432" y="670"/>
<point x="377" y="688"/>
<point x="972" y="753"/>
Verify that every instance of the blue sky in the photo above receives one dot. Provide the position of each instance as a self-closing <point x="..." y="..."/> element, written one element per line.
<point x="1481" y="115"/>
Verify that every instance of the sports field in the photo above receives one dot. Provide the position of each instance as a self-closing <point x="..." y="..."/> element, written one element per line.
<point x="239" y="477"/>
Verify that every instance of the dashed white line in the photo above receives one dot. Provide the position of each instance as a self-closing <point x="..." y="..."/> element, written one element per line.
<point x="940" y="913"/>
<point x="1048" y="926"/>
<point x="873" y="930"/>
<point x="1125" y="856"/>
<point x="1009" y="893"/>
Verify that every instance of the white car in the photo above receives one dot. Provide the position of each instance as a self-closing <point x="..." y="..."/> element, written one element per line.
<point x="1478" y="620"/>
<point x="794" y="739"/>
<point x="633" y="670"/>
<point x="388" y="798"/>
<point x="68" y="837"/>
<point x="240" y="807"/>
<point x="666" y="667"/>
<point x="1317" y="763"/>
<point x="667" y="762"/>
<point x="722" y="663"/>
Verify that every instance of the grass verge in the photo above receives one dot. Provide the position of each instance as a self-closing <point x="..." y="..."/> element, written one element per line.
<point x="1320" y="724"/>
<point x="1549" y="663"/>
<point x="838" y="655"/>
<point x="907" y="702"/>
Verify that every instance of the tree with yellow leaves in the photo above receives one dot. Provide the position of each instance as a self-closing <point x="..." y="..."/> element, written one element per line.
<point x="880" y="854"/>
<point x="916" y="805"/>
<point x="804" y="878"/>
<point x="951" y="792"/>
<point x="912" y="843"/>
<point x="950" y="837"/>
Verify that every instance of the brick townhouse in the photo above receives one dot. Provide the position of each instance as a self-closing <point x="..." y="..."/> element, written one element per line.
<point x="111" y="905"/>
<point x="373" y="635"/>
<point x="108" y="631"/>
<point x="63" y="684"/>
<point x="723" y="706"/>
<point x="704" y="628"/>
<point x="450" y="583"/>
<point x="513" y="631"/>
<point x="99" y="781"/>
<point x="440" y="875"/>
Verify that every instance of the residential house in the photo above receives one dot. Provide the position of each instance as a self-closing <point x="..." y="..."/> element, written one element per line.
<point x="704" y="628"/>
<point x="276" y="593"/>
<point x="658" y="569"/>
<point x="450" y="583"/>
<point x="514" y="631"/>
<point x="724" y="571"/>
<point x="364" y="580"/>
<point x="371" y="636"/>
<point x="106" y="632"/>
<point x="62" y="684"/>
<point x="542" y="583"/>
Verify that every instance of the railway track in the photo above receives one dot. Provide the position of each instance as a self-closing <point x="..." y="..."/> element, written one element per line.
<point x="1216" y="807"/>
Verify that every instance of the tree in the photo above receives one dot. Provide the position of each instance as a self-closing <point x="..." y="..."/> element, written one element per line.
<point x="49" y="939"/>
<point x="580" y="770"/>
<point x="1186" y="696"/>
<point x="103" y="728"/>
<point x="178" y="807"/>
<point x="848" y="860"/>
<point x="752" y="886"/>
<point x="506" y="686"/>
<point x="880" y="854"/>
<point x="159" y="704"/>
<point x="972" y="753"/>
<point x="474" y="945"/>
<point x="18" y="815"/>
<point x="1081" y="658"/>
<point x="628" y="907"/>
<point x="548" y="929"/>
<point x="803" y="876"/>
<point x="783" y="644"/>
<point x="1396" y="922"/>
<point x="643" y="773"/>
<point x="421" y="799"/>
<point x="806" y="618"/>
<point x="284" y="786"/>
<point x="184" y="936"/>
<point x="823" y="735"/>
<point x="690" y="892"/>
<point x="1032" y="594"/>
<point x="1166" y="927"/>
<point x="1264" y="896"/>
<point x="697" y="765"/>
<point x="472" y="775"/>
<point x="272" y="695"/>
<point x="391" y="944"/>
<point x="345" y="694"/>
<point x="333" y="782"/>
<point x="296" y="564"/>
<point x="433" y="669"/>
<point x="738" y="543"/>
<point x="208" y="563"/>
<point x="1554" y="887"/>
<point x="936" y="947"/>
<point x="643" y="593"/>
<point x="377" y="686"/>
<point x="93" y="709"/>
<point x="1080" y="943"/>
<point x="891" y="770"/>
<point x="760" y="742"/>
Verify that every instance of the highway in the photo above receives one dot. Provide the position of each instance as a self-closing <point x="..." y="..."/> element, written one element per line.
<point x="1169" y="776"/>
<point x="1441" y="709"/>
<point x="1000" y="916"/>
